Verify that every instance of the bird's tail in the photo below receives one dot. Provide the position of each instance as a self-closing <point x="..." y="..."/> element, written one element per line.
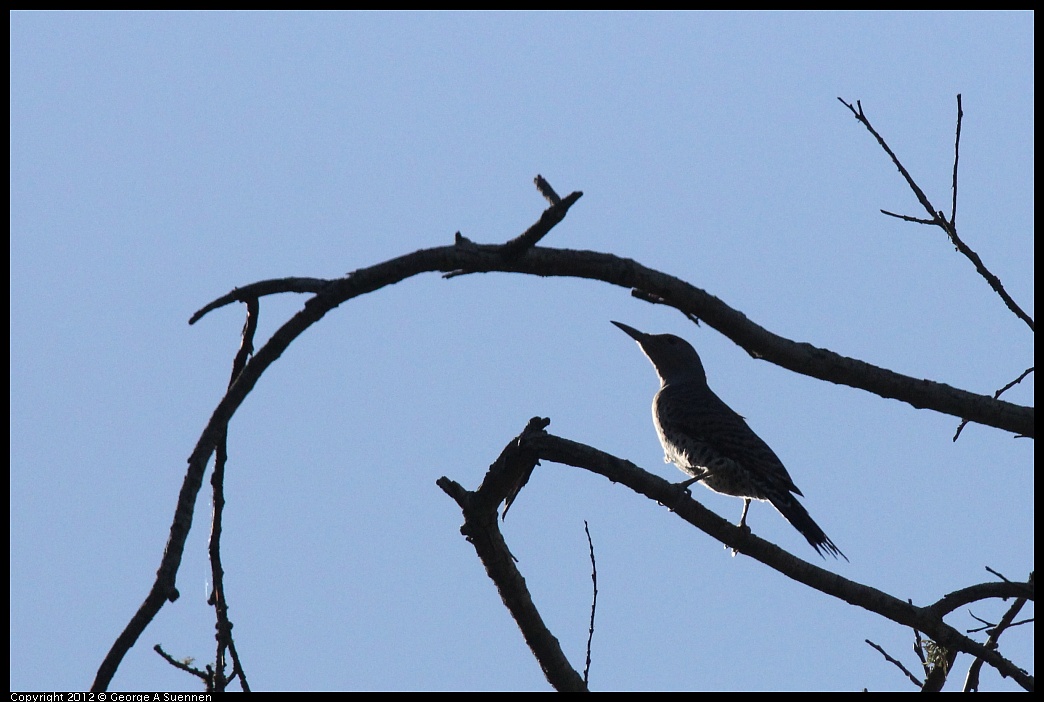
<point x="801" y="520"/>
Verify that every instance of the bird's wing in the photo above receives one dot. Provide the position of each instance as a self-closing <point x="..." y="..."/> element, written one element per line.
<point x="715" y="423"/>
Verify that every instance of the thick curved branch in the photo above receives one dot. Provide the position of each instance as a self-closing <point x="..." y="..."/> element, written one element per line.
<point x="799" y="357"/>
<point x="982" y="591"/>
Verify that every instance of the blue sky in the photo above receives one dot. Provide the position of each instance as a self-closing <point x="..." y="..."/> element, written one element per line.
<point x="158" y="160"/>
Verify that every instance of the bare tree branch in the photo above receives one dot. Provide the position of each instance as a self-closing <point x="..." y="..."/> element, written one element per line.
<point x="1009" y="386"/>
<point x="759" y="342"/>
<point x="913" y="678"/>
<point x="218" y="598"/>
<point x="594" y="604"/>
<point x="482" y="531"/>
<point x="520" y="255"/>
<point x="936" y="216"/>
<point x="982" y="591"/>
<point x="956" y="160"/>
<point x="529" y="238"/>
<point x="260" y="289"/>
<point x="971" y="682"/>
<point x="799" y="357"/>
<point x="924" y="619"/>
<point x="546" y="190"/>
<point x="186" y="665"/>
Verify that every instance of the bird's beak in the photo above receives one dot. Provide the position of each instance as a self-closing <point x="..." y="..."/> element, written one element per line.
<point x="631" y="332"/>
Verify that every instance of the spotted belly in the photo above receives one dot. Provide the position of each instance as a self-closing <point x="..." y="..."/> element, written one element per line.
<point x="719" y="473"/>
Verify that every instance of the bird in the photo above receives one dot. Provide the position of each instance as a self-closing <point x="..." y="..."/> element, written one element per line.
<point x="710" y="442"/>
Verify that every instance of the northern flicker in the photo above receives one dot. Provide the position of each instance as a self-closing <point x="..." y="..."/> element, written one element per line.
<point x="707" y="440"/>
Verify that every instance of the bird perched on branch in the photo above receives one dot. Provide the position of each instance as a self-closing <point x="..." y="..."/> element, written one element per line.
<point x="707" y="440"/>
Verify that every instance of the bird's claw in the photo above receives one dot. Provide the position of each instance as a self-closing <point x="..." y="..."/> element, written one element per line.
<point x="684" y="485"/>
<point x="744" y="533"/>
<point x="681" y="492"/>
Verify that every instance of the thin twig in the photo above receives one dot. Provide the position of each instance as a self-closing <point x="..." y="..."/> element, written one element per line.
<point x="261" y="288"/>
<point x="991" y="571"/>
<point x="525" y="241"/>
<point x="956" y="159"/>
<point x="186" y="666"/>
<point x="896" y="663"/>
<point x="218" y="598"/>
<point x="997" y="395"/>
<point x="936" y="216"/>
<point x="857" y="110"/>
<point x="594" y="603"/>
<point x="910" y="218"/>
<point x="971" y="681"/>
<point x="546" y="190"/>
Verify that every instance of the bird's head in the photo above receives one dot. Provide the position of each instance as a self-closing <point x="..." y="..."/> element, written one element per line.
<point x="674" y="359"/>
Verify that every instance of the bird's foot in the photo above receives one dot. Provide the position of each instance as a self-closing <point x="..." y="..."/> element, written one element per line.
<point x="684" y="485"/>
<point x="681" y="492"/>
<point x="744" y="533"/>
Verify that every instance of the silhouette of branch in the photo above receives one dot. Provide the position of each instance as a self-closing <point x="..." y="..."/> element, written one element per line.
<point x="482" y="531"/>
<point x="543" y="446"/>
<point x="760" y="343"/>
<point x="546" y="190"/>
<point x="956" y="160"/>
<point x="328" y="294"/>
<point x="520" y="256"/>
<point x="167" y="574"/>
<point x="218" y="598"/>
<point x="964" y="422"/>
<point x="594" y="603"/>
<point x="261" y="289"/>
<point x="522" y="243"/>
<point x="936" y="216"/>
<point x="971" y="681"/>
<point x="982" y="591"/>
<point x="896" y="663"/>
<point x="186" y="666"/>
<point x="757" y="341"/>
